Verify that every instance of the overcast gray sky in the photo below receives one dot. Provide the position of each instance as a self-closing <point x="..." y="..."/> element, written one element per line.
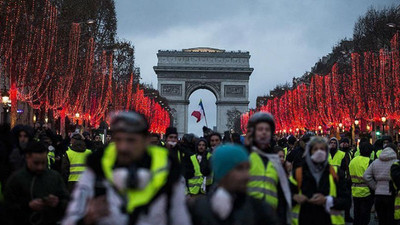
<point x="285" y="37"/>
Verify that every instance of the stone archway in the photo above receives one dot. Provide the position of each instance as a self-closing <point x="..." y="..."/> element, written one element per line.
<point x="225" y="74"/>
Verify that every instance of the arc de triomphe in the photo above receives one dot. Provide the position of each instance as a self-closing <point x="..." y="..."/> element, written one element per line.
<point x="225" y="74"/>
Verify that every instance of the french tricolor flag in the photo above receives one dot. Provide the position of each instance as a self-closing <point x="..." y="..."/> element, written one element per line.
<point x="199" y="113"/>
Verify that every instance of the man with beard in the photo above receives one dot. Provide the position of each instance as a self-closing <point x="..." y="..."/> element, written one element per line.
<point x="268" y="180"/>
<point x="35" y="194"/>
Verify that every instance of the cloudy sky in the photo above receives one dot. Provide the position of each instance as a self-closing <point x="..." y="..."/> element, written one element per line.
<point x="285" y="37"/>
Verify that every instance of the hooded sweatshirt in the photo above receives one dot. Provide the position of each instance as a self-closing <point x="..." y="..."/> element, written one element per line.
<point x="377" y="176"/>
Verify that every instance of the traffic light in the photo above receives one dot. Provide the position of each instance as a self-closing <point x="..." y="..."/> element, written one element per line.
<point x="378" y="133"/>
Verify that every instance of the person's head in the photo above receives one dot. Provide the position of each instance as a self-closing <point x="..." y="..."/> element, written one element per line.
<point x="386" y="140"/>
<point x="23" y="139"/>
<point x="108" y="137"/>
<point x="262" y="126"/>
<point x="130" y="132"/>
<point x="281" y="153"/>
<point x="171" y="136"/>
<point x="344" y="144"/>
<point x="317" y="149"/>
<point x="36" y="157"/>
<point x="306" y="138"/>
<point x="97" y="138"/>
<point x="86" y="135"/>
<point x="392" y="147"/>
<point x="398" y="146"/>
<point x="201" y="145"/>
<point x="76" y="137"/>
<point x="46" y="141"/>
<point x="291" y="140"/>
<point x="366" y="149"/>
<point x="215" y="140"/>
<point x="154" y="139"/>
<point x="333" y="144"/>
<point x="230" y="165"/>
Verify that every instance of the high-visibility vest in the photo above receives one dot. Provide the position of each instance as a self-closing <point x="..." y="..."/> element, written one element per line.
<point x="378" y="153"/>
<point x="285" y="151"/>
<point x="337" y="217"/>
<point x="77" y="163"/>
<point x="397" y="199"/>
<point x="159" y="170"/>
<point x="337" y="158"/>
<point x="357" y="167"/>
<point x="264" y="180"/>
<point x="51" y="159"/>
<point x="197" y="180"/>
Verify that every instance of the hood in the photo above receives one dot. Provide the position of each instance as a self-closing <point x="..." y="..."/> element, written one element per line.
<point x="337" y="143"/>
<point x="387" y="154"/>
<point x="79" y="146"/>
<point x="197" y="143"/>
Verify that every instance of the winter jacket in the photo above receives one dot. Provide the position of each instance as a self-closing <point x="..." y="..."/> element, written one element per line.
<point x="84" y="191"/>
<point x="24" y="186"/>
<point x="377" y="176"/>
<point x="246" y="211"/>
<point x="313" y="214"/>
<point x="78" y="146"/>
<point x="166" y="207"/>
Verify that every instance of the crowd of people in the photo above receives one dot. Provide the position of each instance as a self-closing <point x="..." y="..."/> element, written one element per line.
<point x="131" y="176"/>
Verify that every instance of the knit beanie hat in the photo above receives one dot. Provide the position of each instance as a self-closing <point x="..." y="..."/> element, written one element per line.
<point x="225" y="158"/>
<point x="171" y="130"/>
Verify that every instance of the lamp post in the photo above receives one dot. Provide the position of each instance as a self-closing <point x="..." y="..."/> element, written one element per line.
<point x="5" y="98"/>
<point x="383" y="124"/>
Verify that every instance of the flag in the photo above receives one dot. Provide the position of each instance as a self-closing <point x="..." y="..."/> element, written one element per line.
<point x="199" y="113"/>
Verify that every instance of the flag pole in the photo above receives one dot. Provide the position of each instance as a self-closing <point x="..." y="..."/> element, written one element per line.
<point x="204" y="111"/>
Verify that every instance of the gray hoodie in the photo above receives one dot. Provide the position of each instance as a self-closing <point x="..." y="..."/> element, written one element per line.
<point x="377" y="176"/>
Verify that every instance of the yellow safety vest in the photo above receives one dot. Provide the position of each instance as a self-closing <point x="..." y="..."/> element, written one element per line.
<point x="378" y="153"/>
<point x="77" y="163"/>
<point x="337" y="217"/>
<point x="263" y="180"/>
<point x="357" y="167"/>
<point x="198" y="179"/>
<point x="397" y="199"/>
<point x="285" y="150"/>
<point x="51" y="159"/>
<point x="337" y="159"/>
<point x="158" y="168"/>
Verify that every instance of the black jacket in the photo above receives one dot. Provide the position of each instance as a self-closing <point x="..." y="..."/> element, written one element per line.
<point x="246" y="211"/>
<point x="312" y="214"/>
<point x="24" y="186"/>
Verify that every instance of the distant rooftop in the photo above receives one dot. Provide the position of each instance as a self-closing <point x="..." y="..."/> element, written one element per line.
<point x="202" y="50"/>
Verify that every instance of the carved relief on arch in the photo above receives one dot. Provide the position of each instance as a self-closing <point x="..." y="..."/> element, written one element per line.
<point x="214" y="87"/>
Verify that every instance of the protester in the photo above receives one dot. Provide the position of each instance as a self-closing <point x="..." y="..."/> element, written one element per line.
<point x="229" y="204"/>
<point x="268" y="180"/>
<point x="319" y="189"/>
<point x="155" y="139"/>
<point x="377" y="177"/>
<point x="395" y="175"/>
<point x="97" y="143"/>
<point x="171" y="142"/>
<point x="73" y="163"/>
<point x="147" y="175"/>
<point x="215" y="141"/>
<point x="35" y="194"/>
<point x="363" y="198"/>
<point x="281" y="153"/>
<point x="198" y="174"/>
<point x="23" y="135"/>
<point x="296" y="156"/>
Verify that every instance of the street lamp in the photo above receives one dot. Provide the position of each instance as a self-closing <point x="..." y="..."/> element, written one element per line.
<point x="383" y="124"/>
<point x="77" y="115"/>
<point x="340" y="125"/>
<point x="5" y="98"/>
<point x="356" y="122"/>
<point x="368" y="128"/>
